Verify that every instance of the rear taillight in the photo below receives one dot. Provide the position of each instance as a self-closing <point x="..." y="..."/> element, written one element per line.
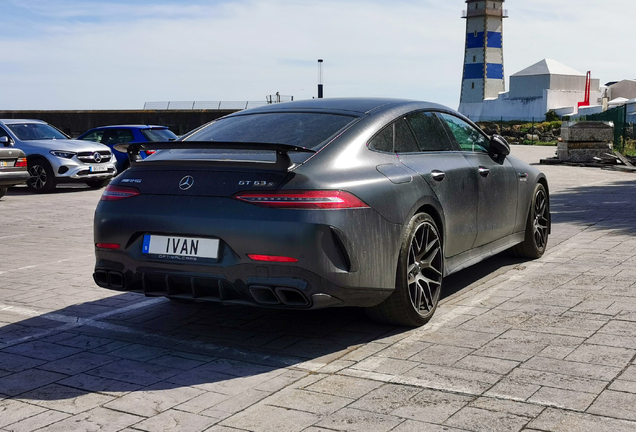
<point x="272" y="258"/>
<point x="21" y="163"/>
<point x="324" y="200"/>
<point x="114" y="193"/>
<point x="149" y="152"/>
<point x="107" y="246"/>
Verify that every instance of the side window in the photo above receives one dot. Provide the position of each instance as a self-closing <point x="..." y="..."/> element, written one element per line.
<point x="405" y="142"/>
<point x="383" y="141"/>
<point x="94" y="136"/>
<point x="468" y="138"/>
<point x="117" y="136"/>
<point x="429" y="132"/>
<point x="4" y="133"/>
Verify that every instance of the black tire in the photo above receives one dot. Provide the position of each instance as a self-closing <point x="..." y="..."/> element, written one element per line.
<point x="42" y="177"/>
<point x="418" y="283"/>
<point x="3" y="191"/>
<point x="537" y="226"/>
<point x="97" y="184"/>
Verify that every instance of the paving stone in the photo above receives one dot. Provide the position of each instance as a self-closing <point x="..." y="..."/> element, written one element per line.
<point x="386" y="399"/>
<point x="452" y="379"/>
<point x="475" y="419"/>
<point x="38" y="421"/>
<point x="508" y="406"/>
<point x="91" y="383"/>
<point x="98" y="419"/>
<point x="203" y="402"/>
<point x="404" y="349"/>
<point x="152" y="400"/>
<point x="458" y="337"/>
<point x="304" y="400"/>
<point x="487" y="364"/>
<point x="623" y="386"/>
<point x="134" y="372"/>
<point x="348" y="387"/>
<point x="554" y="420"/>
<point x="17" y="363"/>
<point x="559" y="398"/>
<point x="353" y="420"/>
<point x="24" y="381"/>
<point x="12" y="411"/>
<point x="176" y="362"/>
<point x="602" y="355"/>
<point x="431" y="406"/>
<point x="177" y="421"/>
<point x="66" y="399"/>
<point x="615" y="404"/>
<point x="604" y="373"/>
<point x="513" y="390"/>
<point x="386" y="365"/>
<point x="265" y="418"/>
<point x="550" y="379"/>
<point x="234" y="404"/>
<point x="415" y="426"/>
<point x="42" y="350"/>
<point x="442" y="355"/>
<point x="78" y="363"/>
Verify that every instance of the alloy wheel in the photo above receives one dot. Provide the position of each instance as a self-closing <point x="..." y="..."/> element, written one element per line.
<point x="38" y="176"/>
<point x="540" y="219"/>
<point x="424" y="270"/>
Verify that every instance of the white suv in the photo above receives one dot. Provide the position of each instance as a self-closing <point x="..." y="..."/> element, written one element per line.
<point x="55" y="158"/>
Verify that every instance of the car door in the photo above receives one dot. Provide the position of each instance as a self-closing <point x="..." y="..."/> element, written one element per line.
<point x="423" y="146"/>
<point x="497" y="180"/>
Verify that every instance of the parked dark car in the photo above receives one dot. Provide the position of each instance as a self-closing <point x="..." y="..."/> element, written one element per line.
<point x="118" y="134"/>
<point x="13" y="166"/>
<point x="320" y="203"/>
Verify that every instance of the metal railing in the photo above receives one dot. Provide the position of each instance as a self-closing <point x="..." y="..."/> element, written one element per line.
<point x="203" y="105"/>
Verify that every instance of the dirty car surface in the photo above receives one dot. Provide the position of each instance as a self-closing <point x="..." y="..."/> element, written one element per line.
<point x="319" y="203"/>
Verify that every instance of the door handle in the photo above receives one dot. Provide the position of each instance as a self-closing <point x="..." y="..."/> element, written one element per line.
<point x="483" y="171"/>
<point x="438" y="175"/>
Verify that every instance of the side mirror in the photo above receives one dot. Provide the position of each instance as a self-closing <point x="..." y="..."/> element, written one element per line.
<point x="499" y="145"/>
<point x="5" y="141"/>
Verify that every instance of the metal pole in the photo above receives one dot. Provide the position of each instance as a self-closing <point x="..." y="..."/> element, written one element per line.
<point x="320" y="94"/>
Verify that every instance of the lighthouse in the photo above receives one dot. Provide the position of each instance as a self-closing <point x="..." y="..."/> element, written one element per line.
<point x="483" y="76"/>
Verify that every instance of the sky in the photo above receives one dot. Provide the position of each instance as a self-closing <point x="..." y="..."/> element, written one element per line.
<point x="116" y="54"/>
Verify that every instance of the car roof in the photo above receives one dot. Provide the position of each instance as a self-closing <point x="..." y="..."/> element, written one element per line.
<point x="14" y="121"/>
<point x="354" y="105"/>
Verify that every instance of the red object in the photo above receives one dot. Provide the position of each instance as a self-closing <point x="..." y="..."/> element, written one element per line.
<point x="149" y="152"/>
<point x="588" y="88"/>
<point x="21" y="163"/>
<point x="322" y="200"/>
<point x="271" y="258"/>
<point x="115" y="193"/>
<point x="107" y="245"/>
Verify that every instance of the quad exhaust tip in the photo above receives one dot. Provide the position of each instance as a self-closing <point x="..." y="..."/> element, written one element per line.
<point x="278" y="295"/>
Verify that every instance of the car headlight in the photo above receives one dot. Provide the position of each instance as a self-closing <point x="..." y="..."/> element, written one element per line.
<point x="63" y="154"/>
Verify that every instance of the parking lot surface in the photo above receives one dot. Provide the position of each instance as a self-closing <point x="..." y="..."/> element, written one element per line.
<point x="545" y="345"/>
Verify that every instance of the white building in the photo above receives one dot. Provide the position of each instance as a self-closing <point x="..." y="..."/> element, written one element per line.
<point x="544" y="86"/>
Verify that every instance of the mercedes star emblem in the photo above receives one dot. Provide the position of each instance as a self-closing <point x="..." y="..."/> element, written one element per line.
<point x="186" y="183"/>
<point x="97" y="157"/>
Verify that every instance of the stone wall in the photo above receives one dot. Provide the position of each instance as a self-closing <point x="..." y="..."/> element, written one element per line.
<point x="74" y="123"/>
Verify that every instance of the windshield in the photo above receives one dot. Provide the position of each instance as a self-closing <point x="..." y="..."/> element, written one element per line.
<point x="158" y="134"/>
<point x="309" y="130"/>
<point x="35" y="131"/>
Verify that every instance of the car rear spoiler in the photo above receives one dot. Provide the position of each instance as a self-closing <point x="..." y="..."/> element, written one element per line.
<point x="282" y="163"/>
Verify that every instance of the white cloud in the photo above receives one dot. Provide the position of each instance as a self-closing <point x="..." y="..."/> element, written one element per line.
<point x="90" y="55"/>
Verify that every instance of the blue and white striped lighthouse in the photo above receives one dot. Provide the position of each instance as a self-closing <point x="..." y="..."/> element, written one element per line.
<point x="483" y="60"/>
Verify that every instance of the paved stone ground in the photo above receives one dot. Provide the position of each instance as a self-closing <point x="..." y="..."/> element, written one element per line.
<point x="546" y="345"/>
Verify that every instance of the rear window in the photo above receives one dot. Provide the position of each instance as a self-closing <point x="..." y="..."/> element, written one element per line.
<point x="309" y="130"/>
<point x="158" y="134"/>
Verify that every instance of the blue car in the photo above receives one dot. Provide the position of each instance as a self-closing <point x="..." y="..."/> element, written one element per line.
<point x="118" y="134"/>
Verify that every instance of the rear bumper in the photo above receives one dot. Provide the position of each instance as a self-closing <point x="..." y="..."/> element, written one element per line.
<point x="273" y="286"/>
<point x="345" y="257"/>
<point x="11" y="177"/>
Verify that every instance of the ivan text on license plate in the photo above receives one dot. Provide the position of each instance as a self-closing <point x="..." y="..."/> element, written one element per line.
<point x="181" y="246"/>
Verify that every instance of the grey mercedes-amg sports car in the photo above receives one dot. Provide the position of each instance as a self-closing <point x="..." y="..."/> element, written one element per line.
<point x="319" y="203"/>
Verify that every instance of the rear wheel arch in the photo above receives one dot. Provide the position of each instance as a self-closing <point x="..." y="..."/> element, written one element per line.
<point x="437" y="216"/>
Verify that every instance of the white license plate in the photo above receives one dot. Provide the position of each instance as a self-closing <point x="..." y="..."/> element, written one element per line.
<point x="181" y="246"/>
<point x="98" y="168"/>
<point x="4" y="164"/>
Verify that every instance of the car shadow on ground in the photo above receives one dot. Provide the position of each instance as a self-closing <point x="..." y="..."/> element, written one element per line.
<point x="129" y="342"/>
<point x="60" y="189"/>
